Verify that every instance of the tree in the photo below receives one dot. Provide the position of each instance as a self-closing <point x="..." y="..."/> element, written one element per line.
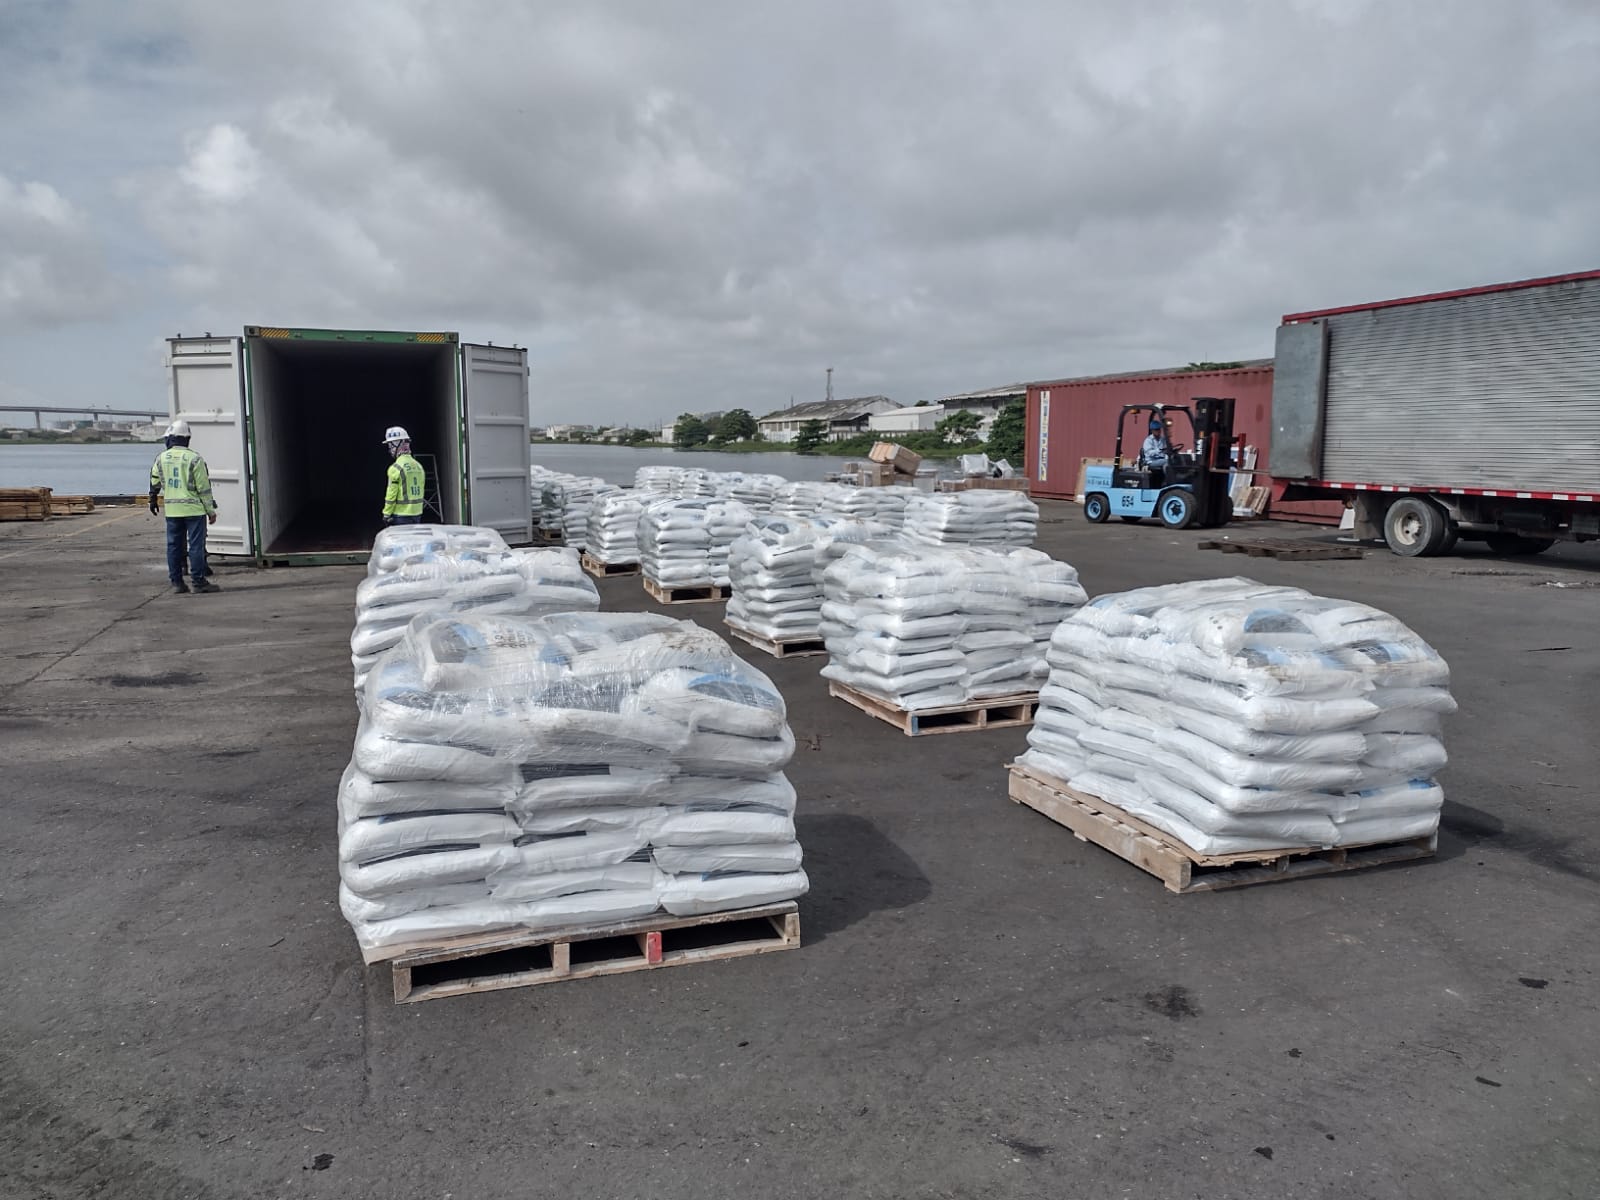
<point x="1008" y="433"/>
<point x="737" y="425"/>
<point x="691" y="431"/>
<point x="637" y="437"/>
<point x="811" y="434"/>
<point x="1211" y="366"/>
<point x="959" y="427"/>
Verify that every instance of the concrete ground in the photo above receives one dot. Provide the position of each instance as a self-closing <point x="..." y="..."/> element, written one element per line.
<point x="983" y="1006"/>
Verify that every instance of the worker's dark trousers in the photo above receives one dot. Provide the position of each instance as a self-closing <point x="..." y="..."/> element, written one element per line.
<point x="186" y="539"/>
<point x="405" y="520"/>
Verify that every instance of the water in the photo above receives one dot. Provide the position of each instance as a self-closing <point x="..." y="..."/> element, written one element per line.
<point x="80" y="470"/>
<point x="124" y="470"/>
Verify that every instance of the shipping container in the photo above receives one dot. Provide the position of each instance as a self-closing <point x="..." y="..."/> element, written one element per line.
<point x="291" y="422"/>
<point x="1070" y="420"/>
<point x="1472" y="414"/>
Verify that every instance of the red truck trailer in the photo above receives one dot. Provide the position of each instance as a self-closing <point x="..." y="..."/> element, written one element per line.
<point x="1472" y="414"/>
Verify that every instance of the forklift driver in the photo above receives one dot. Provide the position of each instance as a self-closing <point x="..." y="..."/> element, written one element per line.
<point x="1154" y="453"/>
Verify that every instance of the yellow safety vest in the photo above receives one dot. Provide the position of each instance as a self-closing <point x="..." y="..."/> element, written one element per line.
<point x="403" y="496"/>
<point x="180" y="475"/>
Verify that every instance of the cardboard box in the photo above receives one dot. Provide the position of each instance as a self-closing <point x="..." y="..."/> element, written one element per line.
<point x="1014" y="484"/>
<point x="896" y="457"/>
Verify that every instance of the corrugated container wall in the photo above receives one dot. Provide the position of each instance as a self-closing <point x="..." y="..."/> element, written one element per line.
<point x="1073" y="419"/>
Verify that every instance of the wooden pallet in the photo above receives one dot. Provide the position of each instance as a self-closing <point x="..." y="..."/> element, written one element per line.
<point x="1001" y="712"/>
<point x="24" y="504"/>
<point x="522" y="957"/>
<point x="550" y="537"/>
<point x="71" y="505"/>
<point x="778" y="647"/>
<point x="1182" y="869"/>
<point x="708" y="593"/>
<point x="1283" y="548"/>
<point x="605" y="570"/>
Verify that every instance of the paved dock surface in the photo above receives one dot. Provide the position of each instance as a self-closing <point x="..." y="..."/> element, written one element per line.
<point x="983" y="1006"/>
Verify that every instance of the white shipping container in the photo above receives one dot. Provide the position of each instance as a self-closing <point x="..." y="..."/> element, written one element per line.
<point x="291" y="423"/>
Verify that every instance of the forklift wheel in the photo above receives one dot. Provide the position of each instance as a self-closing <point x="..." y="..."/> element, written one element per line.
<point x="1096" y="508"/>
<point x="1176" y="509"/>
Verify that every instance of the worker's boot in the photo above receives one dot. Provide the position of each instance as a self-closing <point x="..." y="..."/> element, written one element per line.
<point x="205" y="585"/>
<point x="181" y="588"/>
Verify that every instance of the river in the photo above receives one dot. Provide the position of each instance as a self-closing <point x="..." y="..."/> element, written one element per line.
<point x="124" y="469"/>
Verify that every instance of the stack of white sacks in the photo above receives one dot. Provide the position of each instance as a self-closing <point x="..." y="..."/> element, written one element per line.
<point x="923" y="626"/>
<point x="773" y="567"/>
<point x="1237" y="716"/>
<point x="756" y="492"/>
<point x="613" y="535"/>
<point x="565" y="770"/>
<point x="973" y="518"/>
<point x="657" y="480"/>
<point x="684" y="543"/>
<point x="429" y="570"/>
<point x="885" y="505"/>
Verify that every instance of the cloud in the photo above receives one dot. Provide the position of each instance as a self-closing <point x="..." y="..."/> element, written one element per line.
<point x="52" y="268"/>
<point x="702" y="206"/>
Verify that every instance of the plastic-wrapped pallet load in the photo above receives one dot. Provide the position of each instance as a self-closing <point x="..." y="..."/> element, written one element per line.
<point x="1237" y="716"/>
<point x="441" y="576"/>
<point x="412" y="568"/>
<point x="777" y="587"/>
<point x="684" y="543"/>
<point x="565" y="770"/>
<point x="755" y="492"/>
<point x="657" y="479"/>
<point x="973" y="518"/>
<point x="926" y="626"/>
<point x="613" y="536"/>
<point x="437" y="583"/>
<point x="579" y="495"/>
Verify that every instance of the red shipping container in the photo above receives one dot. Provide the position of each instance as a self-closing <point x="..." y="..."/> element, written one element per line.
<point x="1070" y="420"/>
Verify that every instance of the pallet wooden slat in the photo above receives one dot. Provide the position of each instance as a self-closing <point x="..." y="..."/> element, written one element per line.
<point x="1287" y="549"/>
<point x="1000" y="712"/>
<point x="708" y="593"/>
<point x="605" y="570"/>
<point x="1184" y="870"/>
<point x="778" y="647"/>
<point x="479" y="962"/>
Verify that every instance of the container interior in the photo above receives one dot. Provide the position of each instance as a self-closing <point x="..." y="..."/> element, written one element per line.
<point x="319" y="410"/>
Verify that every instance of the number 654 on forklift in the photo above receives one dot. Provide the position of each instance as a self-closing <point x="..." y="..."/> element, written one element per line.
<point x="1183" y="485"/>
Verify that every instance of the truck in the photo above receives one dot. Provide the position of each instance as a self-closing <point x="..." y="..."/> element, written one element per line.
<point x="290" y="422"/>
<point x="1455" y="416"/>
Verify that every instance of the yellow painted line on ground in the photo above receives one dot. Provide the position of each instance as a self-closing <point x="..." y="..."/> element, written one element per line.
<point x="52" y="538"/>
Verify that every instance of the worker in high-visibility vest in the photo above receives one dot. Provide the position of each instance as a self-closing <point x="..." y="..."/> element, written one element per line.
<point x="402" y="499"/>
<point x="180" y="480"/>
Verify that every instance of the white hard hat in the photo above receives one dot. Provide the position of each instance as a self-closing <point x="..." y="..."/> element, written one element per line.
<point x="179" y="428"/>
<point x="395" y="433"/>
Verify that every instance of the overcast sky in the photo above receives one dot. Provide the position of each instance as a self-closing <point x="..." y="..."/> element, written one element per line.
<point x="702" y="205"/>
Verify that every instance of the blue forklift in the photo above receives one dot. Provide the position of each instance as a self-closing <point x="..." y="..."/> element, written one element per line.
<point x="1190" y="491"/>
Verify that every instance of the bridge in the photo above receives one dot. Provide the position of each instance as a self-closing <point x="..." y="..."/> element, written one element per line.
<point x="94" y="414"/>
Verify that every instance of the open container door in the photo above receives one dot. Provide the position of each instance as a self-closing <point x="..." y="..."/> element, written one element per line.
<point x="207" y="390"/>
<point x="494" y="380"/>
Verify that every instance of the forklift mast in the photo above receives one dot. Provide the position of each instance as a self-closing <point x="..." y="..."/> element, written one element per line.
<point x="1213" y="452"/>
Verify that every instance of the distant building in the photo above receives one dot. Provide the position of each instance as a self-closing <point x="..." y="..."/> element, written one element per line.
<point x="906" y="420"/>
<point x="669" y="430"/>
<point x="986" y="404"/>
<point x="844" y="418"/>
<point x="558" y="433"/>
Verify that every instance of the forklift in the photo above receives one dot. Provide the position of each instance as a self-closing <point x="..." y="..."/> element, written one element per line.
<point x="1191" y="491"/>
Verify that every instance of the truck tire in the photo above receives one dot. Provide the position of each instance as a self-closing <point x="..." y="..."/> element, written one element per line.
<point x="1176" y="509"/>
<point x="1096" y="508"/>
<point x="1415" y="527"/>
<point x="1516" y="543"/>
